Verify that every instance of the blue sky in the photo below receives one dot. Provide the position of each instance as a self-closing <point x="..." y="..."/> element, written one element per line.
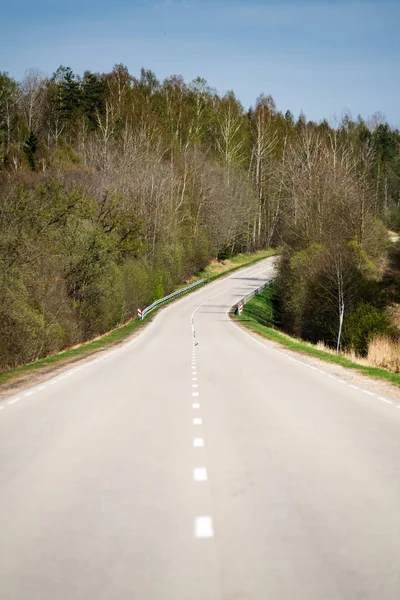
<point x="320" y="56"/>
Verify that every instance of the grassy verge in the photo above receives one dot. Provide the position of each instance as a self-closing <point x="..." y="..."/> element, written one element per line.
<point x="73" y="353"/>
<point x="221" y="268"/>
<point x="213" y="271"/>
<point x="258" y="316"/>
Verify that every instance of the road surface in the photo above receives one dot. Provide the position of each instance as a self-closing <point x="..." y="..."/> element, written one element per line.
<point x="221" y="471"/>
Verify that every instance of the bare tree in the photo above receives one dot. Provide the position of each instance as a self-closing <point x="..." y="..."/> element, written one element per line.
<point x="230" y="140"/>
<point x="264" y="143"/>
<point x="8" y="102"/>
<point x="32" y="98"/>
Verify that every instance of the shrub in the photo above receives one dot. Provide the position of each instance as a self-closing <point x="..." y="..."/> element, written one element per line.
<point x="360" y="326"/>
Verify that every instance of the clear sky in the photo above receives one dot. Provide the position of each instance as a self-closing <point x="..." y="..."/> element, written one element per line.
<point x="322" y="56"/>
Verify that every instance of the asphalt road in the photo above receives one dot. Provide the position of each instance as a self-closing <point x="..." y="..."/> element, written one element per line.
<point x="224" y="471"/>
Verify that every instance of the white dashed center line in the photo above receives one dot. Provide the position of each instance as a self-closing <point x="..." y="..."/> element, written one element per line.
<point x="195" y="405"/>
<point x="203" y="527"/>
<point x="200" y="474"/>
<point x="197" y="421"/>
<point x="198" y="442"/>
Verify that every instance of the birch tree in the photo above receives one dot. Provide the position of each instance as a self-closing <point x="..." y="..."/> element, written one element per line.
<point x="31" y="99"/>
<point x="264" y="139"/>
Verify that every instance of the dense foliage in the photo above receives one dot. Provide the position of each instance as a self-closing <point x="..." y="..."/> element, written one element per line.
<point x="114" y="189"/>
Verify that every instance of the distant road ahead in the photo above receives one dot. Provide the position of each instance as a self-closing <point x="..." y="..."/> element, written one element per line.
<point x="221" y="471"/>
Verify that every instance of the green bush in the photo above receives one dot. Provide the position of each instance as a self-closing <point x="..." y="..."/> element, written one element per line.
<point x="137" y="286"/>
<point x="22" y="326"/>
<point x="360" y="326"/>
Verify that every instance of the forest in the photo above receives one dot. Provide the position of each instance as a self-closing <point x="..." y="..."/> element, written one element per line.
<point x="115" y="189"/>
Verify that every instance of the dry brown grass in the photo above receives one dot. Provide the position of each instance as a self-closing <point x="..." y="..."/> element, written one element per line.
<point x="385" y="353"/>
<point x="350" y="354"/>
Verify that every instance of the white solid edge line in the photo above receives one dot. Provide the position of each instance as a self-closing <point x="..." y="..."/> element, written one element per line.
<point x="14" y="400"/>
<point x="203" y="527"/>
<point x="266" y="347"/>
<point x="112" y="352"/>
<point x="108" y="354"/>
<point x="382" y="399"/>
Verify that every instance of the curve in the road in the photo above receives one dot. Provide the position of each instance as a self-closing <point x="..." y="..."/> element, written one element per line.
<point x="197" y="462"/>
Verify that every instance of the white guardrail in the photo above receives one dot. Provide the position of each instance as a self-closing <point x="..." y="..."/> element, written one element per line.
<point x="157" y="303"/>
<point x="237" y="308"/>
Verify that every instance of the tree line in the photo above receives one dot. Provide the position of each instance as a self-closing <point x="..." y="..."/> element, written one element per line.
<point x="114" y="189"/>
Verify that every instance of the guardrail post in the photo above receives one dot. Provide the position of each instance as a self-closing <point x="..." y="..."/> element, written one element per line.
<point x="243" y="301"/>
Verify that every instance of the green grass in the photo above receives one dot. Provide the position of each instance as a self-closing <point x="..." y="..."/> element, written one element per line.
<point x="124" y="331"/>
<point x="88" y="348"/>
<point x="228" y="266"/>
<point x="258" y="316"/>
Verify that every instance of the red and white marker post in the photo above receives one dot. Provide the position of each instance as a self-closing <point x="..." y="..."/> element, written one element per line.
<point x="139" y="313"/>
<point x="240" y="308"/>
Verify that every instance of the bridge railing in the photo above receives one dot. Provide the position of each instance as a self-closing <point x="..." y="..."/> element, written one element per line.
<point x="238" y="307"/>
<point x="172" y="296"/>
